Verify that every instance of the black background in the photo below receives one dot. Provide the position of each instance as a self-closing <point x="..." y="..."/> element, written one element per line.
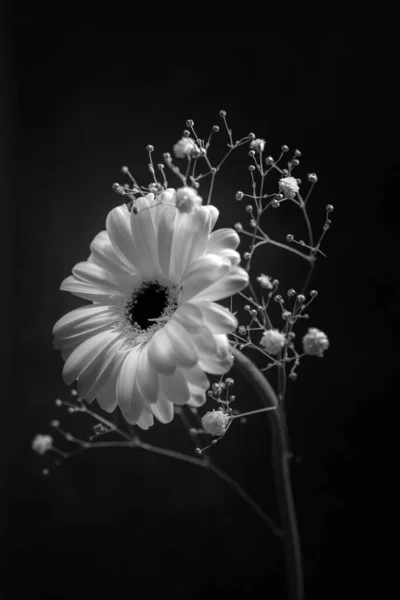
<point x="83" y="95"/>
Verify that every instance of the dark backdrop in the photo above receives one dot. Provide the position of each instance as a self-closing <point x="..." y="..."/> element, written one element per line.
<point x="84" y="96"/>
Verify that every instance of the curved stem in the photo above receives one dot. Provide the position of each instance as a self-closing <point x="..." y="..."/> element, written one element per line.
<point x="281" y="456"/>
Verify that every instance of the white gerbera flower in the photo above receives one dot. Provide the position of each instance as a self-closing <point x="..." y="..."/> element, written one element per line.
<point x="153" y="328"/>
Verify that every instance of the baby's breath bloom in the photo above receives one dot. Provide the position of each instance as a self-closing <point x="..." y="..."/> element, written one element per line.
<point x="186" y="199"/>
<point x="258" y="145"/>
<point x="215" y="422"/>
<point x="273" y="341"/>
<point x="315" y="342"/>
<point x="42" y="443"/>
<point x="265" y="281"/>
<point x="289" y="187"/>
<point x="184" y="147"/>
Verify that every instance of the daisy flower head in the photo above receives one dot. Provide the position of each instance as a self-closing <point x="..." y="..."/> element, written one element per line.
<point x="153" y="328"/>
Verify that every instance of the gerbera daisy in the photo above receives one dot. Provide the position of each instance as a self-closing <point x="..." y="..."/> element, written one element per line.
<point x="153" y="329"/>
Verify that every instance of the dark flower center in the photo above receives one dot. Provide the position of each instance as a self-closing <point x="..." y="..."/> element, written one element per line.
<point x="147" y="303"/>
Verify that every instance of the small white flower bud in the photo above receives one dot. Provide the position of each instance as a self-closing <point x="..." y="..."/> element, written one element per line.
<point x="265" y="281"/>
<point x="239" y="196"/>
<point x="315" y="342"/>
<point x="187" y="199"/>
<point x="184" y="147"/>
<point x="258" y="145"/>
<point x="312" y="177"/>
<point x="289" y="187"/>
<point x="273" y="341"/>
<point x="42" y="443"/>
<point x="216" y="388"/>
<point x="215" y="422"/>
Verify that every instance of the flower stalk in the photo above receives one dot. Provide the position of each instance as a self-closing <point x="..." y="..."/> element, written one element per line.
<point x="281" y="456"/>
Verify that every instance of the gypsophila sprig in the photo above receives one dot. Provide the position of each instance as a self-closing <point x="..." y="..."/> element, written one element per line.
<point x="153" y="332"/>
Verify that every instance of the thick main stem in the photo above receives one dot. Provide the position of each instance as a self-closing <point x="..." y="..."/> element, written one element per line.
<point x="281" y="456"/>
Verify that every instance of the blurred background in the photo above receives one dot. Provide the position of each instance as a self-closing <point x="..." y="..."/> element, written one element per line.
<point x="84" y="93"/>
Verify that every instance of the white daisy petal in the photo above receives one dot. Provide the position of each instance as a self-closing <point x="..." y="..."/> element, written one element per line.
<point x="161" y="352"/>
<point x="144" y="238"/>
<point x="197" y="379"/>
<point x="163" y="409"/>
<point x="147" y="377"/>
<point x="197" y="398"/>
<point x="222" y="239"/>
<point x="205" y="271"/>
<point x="105" y="255"/>
<point x="119" y="230"/>
<point x="146" y="420"/>
<point x="190" y="238"/>
<point x="95" y="377"/>
<point x="107" y="397"/>
<point x="126" y="381"/>
<point x="90" y="350"/>
<point x="183" y="347"/>
<point x="75" y="317"/>
<point x="164" y="240"/>
<point x="231" y="255"/>
<point x="133" y="413"/>
<point x="175" y="387"/>
<point x="78" y="338"/>
<point x="229" y="285"/>
<point x="217" y="318"/>
<point x="88" y="291"/>
<point x="189" y="316"/>
<point x="220" y="361"/>
<point x="213" y="213"/>
<point x="96" y="275"/>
